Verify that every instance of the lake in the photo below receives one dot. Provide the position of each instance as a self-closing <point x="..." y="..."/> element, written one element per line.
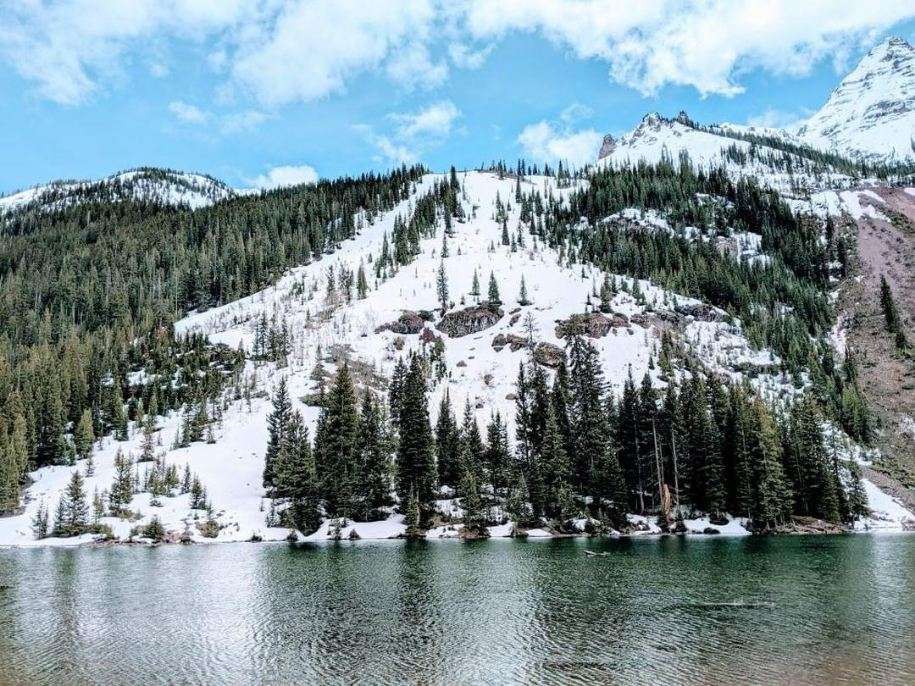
<point x="662" y="610"/>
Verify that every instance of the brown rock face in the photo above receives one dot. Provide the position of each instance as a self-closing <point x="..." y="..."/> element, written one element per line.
<point x="408" y="323"/>
<point x="469" y="320"/>
<point x="593" y="325"/>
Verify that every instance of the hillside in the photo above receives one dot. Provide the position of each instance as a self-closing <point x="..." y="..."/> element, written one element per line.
<point x="146" y="185"/>
<point x="478" y="352"/>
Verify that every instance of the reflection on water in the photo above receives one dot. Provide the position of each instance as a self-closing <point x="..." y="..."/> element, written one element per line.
<point x="816" y="609"/>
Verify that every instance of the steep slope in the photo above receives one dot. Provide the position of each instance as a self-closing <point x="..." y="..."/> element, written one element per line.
<point x="871" y="114"/>
<point x="147" y="184"/>
<point x="483" y="365"/>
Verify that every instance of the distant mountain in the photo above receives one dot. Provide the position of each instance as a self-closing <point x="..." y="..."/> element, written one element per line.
<point x="146" y="184"/>
<point x="871" y="114"/>
<point x="776" y="158"/>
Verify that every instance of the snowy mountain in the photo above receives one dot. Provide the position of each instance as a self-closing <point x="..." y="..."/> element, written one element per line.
<point x="482" y="354"/>
<point x="871" y="114"/>
<point x="147" y="184"/>
<point x="741" y="151"/>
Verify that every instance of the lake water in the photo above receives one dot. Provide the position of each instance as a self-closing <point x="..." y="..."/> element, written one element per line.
<point x="816" y="610"/>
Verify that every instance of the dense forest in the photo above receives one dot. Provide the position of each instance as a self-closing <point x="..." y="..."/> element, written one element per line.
<point x="89" y="292"/>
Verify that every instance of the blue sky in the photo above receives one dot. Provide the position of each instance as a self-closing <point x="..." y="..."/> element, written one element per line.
<point x="273" y="91"/>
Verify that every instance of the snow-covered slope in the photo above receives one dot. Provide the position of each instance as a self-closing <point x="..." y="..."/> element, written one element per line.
<point x="657" y="137"/>
<point x="161" y="186"/>
<point x="482" y="366"/>
<point x="871" y="114"/>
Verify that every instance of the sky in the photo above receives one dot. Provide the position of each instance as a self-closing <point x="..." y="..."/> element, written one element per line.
<point x="272" y="92"/>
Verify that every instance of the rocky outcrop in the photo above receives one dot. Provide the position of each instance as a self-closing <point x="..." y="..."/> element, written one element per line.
<point x="513" y="341"/>
<point x="549" y="355"/>
<point x="469" y="320"/>
<point x="702" y="312"/>
<point x="409" y="322"/>
<point x="592" y="324"/>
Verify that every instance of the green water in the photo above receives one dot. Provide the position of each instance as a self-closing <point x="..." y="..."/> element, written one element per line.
<point x="842" y="611"/>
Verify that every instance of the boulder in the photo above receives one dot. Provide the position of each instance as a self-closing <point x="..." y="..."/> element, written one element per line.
<point x="710" y="530"/>
<point x="592" y="324"/>
<point x="469" y="320"/>
<point x="409" y="322"/>
<point x="513" y="341"/>
<point x="549" y="355"/>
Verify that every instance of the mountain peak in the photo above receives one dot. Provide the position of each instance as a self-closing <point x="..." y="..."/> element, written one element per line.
<point x="871" y="113"/>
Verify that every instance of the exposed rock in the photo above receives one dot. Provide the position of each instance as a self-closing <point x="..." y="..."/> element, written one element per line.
<point x="710" y="530"/>
<point x="593" y="325"/>
<point x="428" y="336"/>
<point x="513" y="341"/>
<point x="469" y="320"/>
<point x="702" y="312"/>
<point x="549" y="355"/>
<point x="409" y="322"/>
<point x="607" y="146"/>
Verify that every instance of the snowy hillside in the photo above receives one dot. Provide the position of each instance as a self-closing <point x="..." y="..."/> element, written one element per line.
<point x="483" y="365"/>
<point x="871" y="114"/>
<point x="160" y="186"/>
<point x="657" y="137"/>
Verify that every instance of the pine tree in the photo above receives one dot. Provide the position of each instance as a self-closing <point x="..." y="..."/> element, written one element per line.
<point x="474" y="518"/>
<point x="494" y="298"/>
<point x="41" y="522"/>
<point x="362" y="286"/>
<point x="447" y="448"/>
<point x="415" y="466"/>
<point x="891" y="314"/>
<point x="335" y="453"/>
<point x="277" y="428"/>
<point x="374" y="477"/>
<point x="84" y="436"/>
<point x="475" y="286"/>
<point x="72" y="510"/>
<point x="442" y="287"/>
<point x="121" y="492"/>
<point x="522" y="294"/>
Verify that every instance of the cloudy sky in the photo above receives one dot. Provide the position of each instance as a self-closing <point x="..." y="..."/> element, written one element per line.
<point x="267" y="92"/>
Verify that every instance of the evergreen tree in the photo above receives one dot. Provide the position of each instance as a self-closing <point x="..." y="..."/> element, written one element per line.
<point x="415" y="465"/>
<point x="442" y="287"/>
<point x="447" y="446"/>
<point x="494" y="299"/>
<point x="84" y="436"/>
<point x="522" y="294"/>
<point x="72" y="511"/>
<point x="335" y="454"/>
<point x="374" y="476"/>
<point x="277" y="428"/>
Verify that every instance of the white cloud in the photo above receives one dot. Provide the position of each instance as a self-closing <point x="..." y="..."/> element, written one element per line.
<point x="777" y="119"/>
<point x="413" y="67"/>
<point x="703" y="43"/>
<point x="288" y="51"/>
<point x="465" y="58"/>
<point x="436" y="120"/>
<point x="312" y="48"/>
<point x="415" y="132"/>
<point x="67" y="48"/>
<point x="187" y="113"/>
<point x="544" y="142"/>
<point x="287" y="175"/>
<point x="241" y="122"/>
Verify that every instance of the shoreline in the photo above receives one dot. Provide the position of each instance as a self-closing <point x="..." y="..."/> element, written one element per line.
<point x="85" y="541"/>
